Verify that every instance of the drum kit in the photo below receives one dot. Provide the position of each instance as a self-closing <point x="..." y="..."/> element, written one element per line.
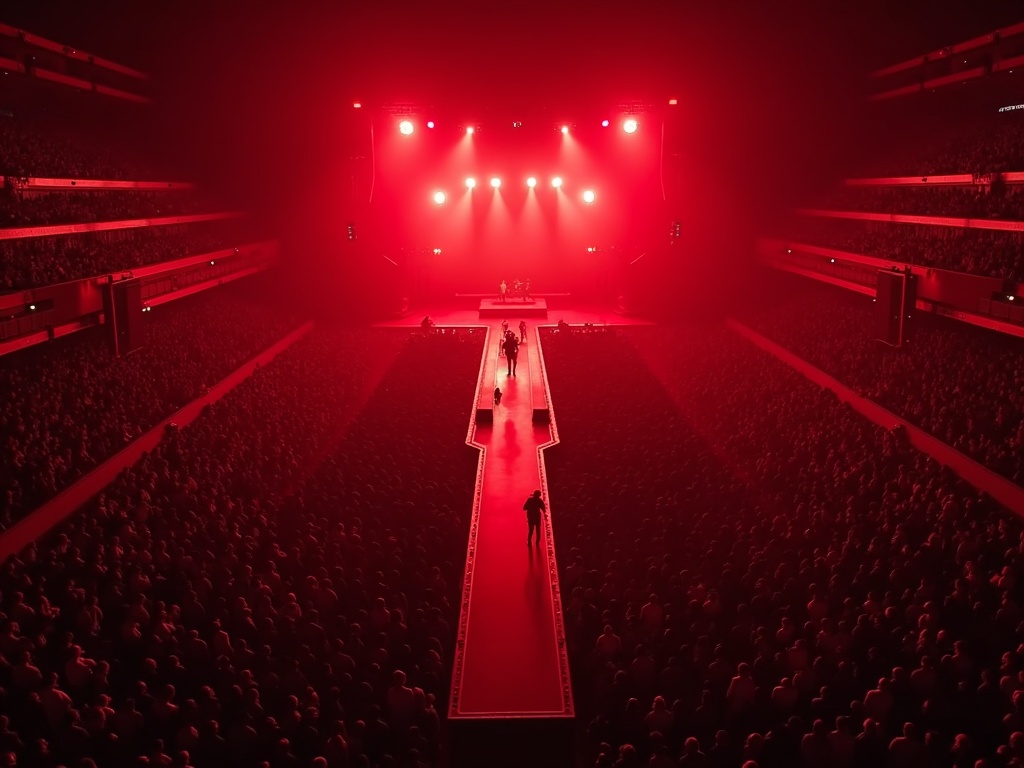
<point x="519" y="289"/>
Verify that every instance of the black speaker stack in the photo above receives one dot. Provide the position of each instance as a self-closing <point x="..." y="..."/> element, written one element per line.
<point x="122" y="307"/>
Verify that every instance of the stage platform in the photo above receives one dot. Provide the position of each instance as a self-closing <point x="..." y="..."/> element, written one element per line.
<point x="513" y="308"/>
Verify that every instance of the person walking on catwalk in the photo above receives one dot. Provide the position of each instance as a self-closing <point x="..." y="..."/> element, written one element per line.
<point x="503" y="290"/>
<point x="511" y="347"/>
<point x="534" y="507"/>
<point x="522" y="331"/>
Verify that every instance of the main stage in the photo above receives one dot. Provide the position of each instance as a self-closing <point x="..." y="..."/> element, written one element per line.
<point x="513" y="308"/>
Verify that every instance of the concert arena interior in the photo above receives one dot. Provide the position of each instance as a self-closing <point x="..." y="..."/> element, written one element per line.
<point x="512" y="385"/>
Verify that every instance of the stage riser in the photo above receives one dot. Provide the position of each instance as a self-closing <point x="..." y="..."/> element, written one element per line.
<point x="513" y="310"/>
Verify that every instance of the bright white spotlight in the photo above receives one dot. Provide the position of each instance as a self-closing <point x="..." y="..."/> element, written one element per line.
<point x="588" y="196"/>
<point x="604" y="123"/>
<point x="495" y="182"/>
<point x="440" y="197"/>
<point x="565" y="129"/>
<point x="405" y="127"/>
<point x="630" y="125"/>
<point x="556" y="182"/>
<point x="531" y="182"/>
<point x="430" y="123"/>
<point x="469" y="131"/>
<point x="470" y="182"/>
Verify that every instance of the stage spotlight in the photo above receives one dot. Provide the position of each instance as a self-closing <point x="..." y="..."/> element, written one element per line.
<point x="630" y="125"/>
<point x="589" y="196"/>
<point x="673" y="102"/>
<point x="565" y="129"/>
<point x="437" y="251"/>
<point x="604" y="123"/>
<point x="495" y="182"/>
<point x="440" y="197"/>
<point x="469" y="131"/>
<point x="470" y="182"/>
<point x="405" y="127"/>
<point x="531" y="182"/>
<point x="556" y="182"/>
<point x="430" y="123"/>
<point x="356" y="105"/>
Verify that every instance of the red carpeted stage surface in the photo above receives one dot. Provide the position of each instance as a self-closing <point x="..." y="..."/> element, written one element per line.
<point x="511" y="673"/>
<point x="530" y="308"/>
<point x="511" y="698"/>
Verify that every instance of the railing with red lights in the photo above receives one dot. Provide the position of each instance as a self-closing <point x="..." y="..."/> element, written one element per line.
<point x="69" y="66"/>
<point x="44" y="184"/>
<point x="41" y="314"/>
<point x="18" y="233"/>
<point x="958" y="295"/>
<point x="997" y="51"/>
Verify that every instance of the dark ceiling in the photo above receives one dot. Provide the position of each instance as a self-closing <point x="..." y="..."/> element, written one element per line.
<point x="516" y="47"/>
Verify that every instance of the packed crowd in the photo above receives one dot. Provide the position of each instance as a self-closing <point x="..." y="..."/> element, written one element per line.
<point x="976" y="251"/>
<point x="48" y="132"/>
<point x="37" y="261"/>
<point x="67" y="406"/>
<point x="753" y="572"/>
<point x="981" y="142"/>
<point x="21" y="209"/>
<point x="963" y="385"/>
<point x="225" y="604"/>
<point x="983" y="201"/>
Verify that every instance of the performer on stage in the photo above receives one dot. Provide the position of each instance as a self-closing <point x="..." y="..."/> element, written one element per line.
<point x="522" y="331"/>
<point x="503" y="290"/>
<point x="511" y="345"/>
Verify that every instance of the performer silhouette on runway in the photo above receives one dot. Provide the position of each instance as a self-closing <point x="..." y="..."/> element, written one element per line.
<point x="503" y="290"/>
<point x="511" y="347"/>
<point x="522" y="331"/>
<point x="534" y="506"/>
<point x="497" y="395"/>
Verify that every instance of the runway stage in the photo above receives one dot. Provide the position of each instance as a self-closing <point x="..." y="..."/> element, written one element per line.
<point x="513" y="307"/>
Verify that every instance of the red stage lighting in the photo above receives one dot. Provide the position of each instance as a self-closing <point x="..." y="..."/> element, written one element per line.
<point x="589" y="196"/>
<point x="630" y="125"/>
<point x="604" y="123"/>
<point x="470" y="182"/>
<point x="565" y="129"/>
<point x="673" y="102"/>
<point x="469" y="131"/>
<point x="405" y="127"/>
<point x="440" y="197"/>
<point x="430" y="123"/>
<point x="556" y="182"/>
<point x="356" y="105"/>
<point x="495" y="182"/>
<point x="531" y="182"/>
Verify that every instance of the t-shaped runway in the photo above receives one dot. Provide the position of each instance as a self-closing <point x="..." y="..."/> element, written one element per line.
<point x="510" y="660"/>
